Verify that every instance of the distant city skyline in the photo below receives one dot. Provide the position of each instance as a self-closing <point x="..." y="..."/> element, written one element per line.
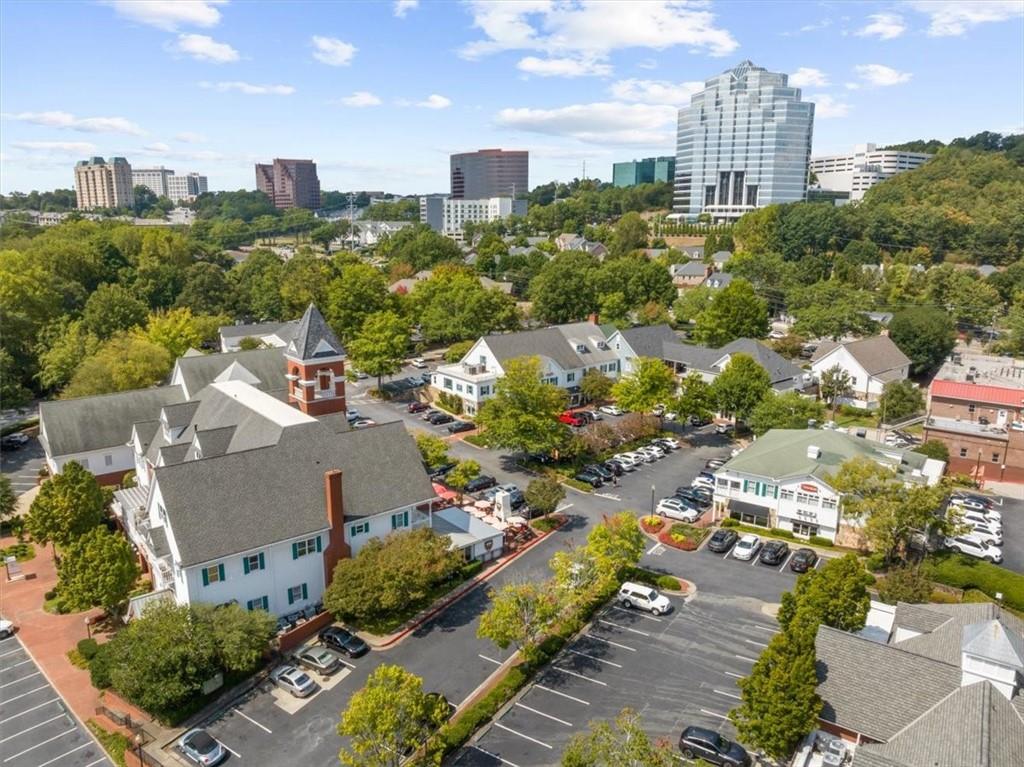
<point x="379" y="95"/>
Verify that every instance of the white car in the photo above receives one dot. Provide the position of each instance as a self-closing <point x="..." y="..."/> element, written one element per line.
<point x="676" y="509"/>
<point x="654" y="450"/>
<point x="703" y="482"/>
<point x="6" y="628"/>
<point x="628" y="460"/>
<point x="975" y="547"/>
<point x="671" y="415"/>
<point x="977" y="517"/>
<point x="969" y="503"/>
<point x="610" y="410"/>
<point x="647" y="456"/>
<point x="987" y="533"/>
<point x="746" y="547"/>
<point x="419" y="363"/>
<point x="644" y="597"/>
<point x="670" y="441"/>
<point x="776" y="334"/>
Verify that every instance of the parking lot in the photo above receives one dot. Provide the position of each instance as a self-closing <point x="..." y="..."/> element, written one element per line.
<point x="22" y="466"/>
<point x="675" y="670"/>
<point x="1013" y="533"/>
<point x="36" y="727"/>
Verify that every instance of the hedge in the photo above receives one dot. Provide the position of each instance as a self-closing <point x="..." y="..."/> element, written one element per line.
<point x="472" y="568"/>
<point x="88" y="648"/>
<point x="961" y="571"/>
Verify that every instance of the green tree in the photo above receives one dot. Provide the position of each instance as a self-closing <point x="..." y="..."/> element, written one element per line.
<point x="614" y="309"/>
<point x="176" y="330"/>
<point x="62" y="347"/>
<point x="433" y="450"/>
<point x="925" y="334"/>
<point x="595" y="385"/>
<point x="830" y="309"/>
<point x="380" y="346"/>
<point x="112" y="308"/>
<point x="387" y="717"/>
<point x="206" y="290"/>
<point x="452" y="304"/>
<point x="360" y="290"/>
<point x="741" y="386"/>
<point x="621" y="743"/>
<point x="241" y="636"/>
<point x="463" y="473"/>
<point x="734" y="311"/>
<point x="695" y="398"/>
<point x="899" y="400"/>
<point x="98" y="569"/>
<point x="906" y="583"/>
<point x="523" y="413"/>
<point x="458" y="350"/>
<point x="689" y="306"/>
<point x="420" y="247"/>
<point x="563" y="290"/>
<point x="124" y="362"/>
<point x="630" y="234"/>
<point x="8" y="498"/>
<point x="68" y="505"/>
<point x="616" y="544"/>
<point x="651" y="382"/>
<point x="835" y="594"/>
<point x="249" y="344"/>
<point x="256" y="285"/>
<point x="934" y="448"/>
<point x="835" y="384"/>
<point x="544" y="494"/>
<point x="324" y="235"/>
<point x="520" y="614"/>
<point x="785" y="411"/>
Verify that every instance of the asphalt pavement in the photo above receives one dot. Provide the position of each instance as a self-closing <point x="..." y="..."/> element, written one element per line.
<point x="22" y="465"/>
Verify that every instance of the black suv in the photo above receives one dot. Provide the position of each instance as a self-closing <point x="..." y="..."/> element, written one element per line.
<point x="722" y="540"/>
<point x="803" y="560"/>
<point x="604" y="473"/>
<point x="343" y="640"/>
<point x="440" y="418"/>
<point x="480" y="483"/>
<point x="590" y="478"/>
<point x="700" y="743"/>
<point x="774" y="552"/>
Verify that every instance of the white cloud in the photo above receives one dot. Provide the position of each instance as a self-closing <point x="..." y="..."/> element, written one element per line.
<point x="880" y="76"/>
<point x="950" y="18"/>
<point x="823" y="24"/>
<point x="189" y="137"/>
<point x="164" y="151"/>
<point x="884" y="26"/>
<point x="332" y="51"/>
<point x="402" y="7"/>
<point x="169" y="14"/>
<point x="361" y="99"/>
<point x="204" y="48"/>
<point x="808" y="77"/>
<point x="67" y="120"/>
<point x="648" y="64"/>
<point x="826" y="107"/>
<point x="598" y="123"/>
<point x="595" y="29"/>
<point x="56" y="147"/>
<point x="249" y="89"/>
<point x="556" y="67"/>
<point x="434" y="101"/>
<point x="656" y="91"/>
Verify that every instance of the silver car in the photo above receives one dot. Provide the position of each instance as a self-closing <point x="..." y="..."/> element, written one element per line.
<point x="201" y="748"/>
<point x="295" y="681"/>
<point x="319" y="659"/>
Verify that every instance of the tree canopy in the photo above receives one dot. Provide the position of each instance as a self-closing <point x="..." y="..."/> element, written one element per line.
<point x="523" y="413"/>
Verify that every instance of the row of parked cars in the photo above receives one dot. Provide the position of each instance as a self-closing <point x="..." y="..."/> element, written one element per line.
<point x="688" y="503"/>
<point x="750" y="546"/>
<point x="597" y="474"/>
<point x="440" y="418"/>
<point x="983" y="523"/>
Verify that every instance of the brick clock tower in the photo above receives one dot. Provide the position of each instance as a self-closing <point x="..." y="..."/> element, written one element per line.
<point x="315" y="363"/>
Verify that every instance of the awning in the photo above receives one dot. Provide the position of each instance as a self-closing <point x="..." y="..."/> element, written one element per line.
<point x="742" y="509"/>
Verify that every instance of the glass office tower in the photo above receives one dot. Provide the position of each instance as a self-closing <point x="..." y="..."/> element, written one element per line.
<point x="743" y="143"/>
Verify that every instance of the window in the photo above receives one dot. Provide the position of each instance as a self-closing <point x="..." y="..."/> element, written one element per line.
<point x="469" y="389"/>
<point x="253" y="562"/>
<point x="963" y="452"/>
<point x="807" y="499"/>
<point x="722" y="482"/>
<point x="297" y="594"/>
<point x="749" y="486"/>
<point x="447" y="383"/>
<point x="401" y="519"/>
<point x="108" y="460"/>
<point x="259" y="603"/>
<point x="804" y="530"/>
<point x="84" y="462"/>
<point x="970" y="408"/>
<point x="458" y="387"/>
<point x="213" y="574"/>
<point x="570" y="376"/>
<point x="361" y="528"/>
<point x="786" y="495"/>
<point x="995" y="457"/>
<point x="828" y="503"/>
<point x="308" y="546"/>
<point x="485" y="390"/>
<point x="324" y="379"/>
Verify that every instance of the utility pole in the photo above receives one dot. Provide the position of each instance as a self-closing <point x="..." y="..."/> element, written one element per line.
<point x="351" y="221"/>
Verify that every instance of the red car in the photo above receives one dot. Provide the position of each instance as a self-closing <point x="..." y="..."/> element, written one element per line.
<point x="416" y="407"/>
<point x="572" y="419"/>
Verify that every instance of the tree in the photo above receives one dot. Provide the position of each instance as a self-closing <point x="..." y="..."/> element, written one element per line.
<point x="112" y="308"/>
<point x="695" y="398"/>
<point x="544" y="495"/>
<point x="741" y="386"/>
<point x="523" y="413"/>
<point x="380" y="346"/>
<point x="616" y="544"/>
<point x="563" y="290"/>
<point x="925" y="334"/>
<point x="452" y="304"/>
<point x="899" y="400"/>
<point x="433" y="450"/>
<point x="689" y="306"/>
<point x="734" y="311"/>
<point x="621" y="743"/>
<point x="463" y="473"/>
<point x="519" y="613"/>
<point x="835" y="384"/>
<point x="595" y="385"/>
<point x="68" y="505"/>
<point x="630" y="234"/>
<point x="177" y="330"/>
<point x="98" y="569"/>
<point x="789" y="346"/>
<point x="8" y="498"/>
<point x="651" y="382"/>
<point x="241" y="636"/>
<point x="934" y="448"/>
<point x="830" y="309"/>
<point x="249" y="344"/>
<point x="458" y="350"/>
<point x="906" y="583"/>
<point x="124" y="362"/>
<point x="62" y="347"/>
<point x="206" y="290"/>
<point x="614" y="309"/>
<point x="835" y="594"/>
<point x="387" y="717"/>
<point x="360" y="290"/>
<point x="785" y="411"/>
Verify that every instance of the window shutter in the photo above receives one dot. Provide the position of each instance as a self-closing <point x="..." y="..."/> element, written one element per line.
<point x="305" y="593"/>
<point x="264" y="600"/>
<point x="206" y="577"/>
<point x="220" y="572"/>
<point x="319" y="544"/>
<point x="245" y="565"/>
<point x="295" y="550"/>
<point x="290" y="597"/>
<point x="262" y="565"/>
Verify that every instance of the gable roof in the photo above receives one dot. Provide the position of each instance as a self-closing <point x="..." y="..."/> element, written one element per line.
<point x="991" y="640"/>
<point x="689" y="269"/>
<point x="650" y="340"/>
<point x="267" y="365"/>
<point x="778" y="367"/>
<point x="314" y="338"/>
<point x="555" y="342"/>
<point x="717" y="280"/>
<point x="283" y="330"/>
<point x="972" y="392"/>
<point x="876" y="355"/>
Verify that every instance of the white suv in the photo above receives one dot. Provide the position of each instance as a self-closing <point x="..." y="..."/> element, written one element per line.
<point x="644" y="597"/>
<point x="628" y="461"/>
<point x="987" y="533"/>
<point x="975" y="547"/>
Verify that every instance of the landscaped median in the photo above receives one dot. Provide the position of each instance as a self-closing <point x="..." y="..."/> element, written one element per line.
<point x="963" y="572"/>
<point x="678" y="535"/>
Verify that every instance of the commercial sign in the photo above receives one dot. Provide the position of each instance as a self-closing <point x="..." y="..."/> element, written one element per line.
<point x="809" y="488"/>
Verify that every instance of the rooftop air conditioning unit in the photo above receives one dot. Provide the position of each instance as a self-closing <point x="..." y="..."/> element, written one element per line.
<point x="813" y="452"/>
<point x="602" y="345"/>
<point x="581" y="348"/>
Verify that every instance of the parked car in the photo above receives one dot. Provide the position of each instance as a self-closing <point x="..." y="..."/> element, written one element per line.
<point x="201" y="748"/>
<point x="593" y="415"/>
<point x="343" y="640"/>
<point x="441" y="471"/>
<point x="517" y="498"/>
<point x="722" y="540"/>
<point x="589" y="478"/>
<point x="654" y="450"/>
<point x="360" y="375"/>
<point x="774" y="552"/>
<point x="698" y="421"/>
<point x="667" y="442"/>
<point x="803" y="560"/>
<point x="297" y="682"/>
<point x="982" y="499"/>
<point x="610" y="410"/>
<point x="614" y="467"/>
<point x="647" y="456"/>
<point x="461" y="426"/>
<point x="425" y="377"/>
<point x="417" y="407"/>
<point x="644" y="597"/>
<point x="362" y="423"/>
<point x="690" y="495"/>
<point x="701" y="743"/>
<point x="713" y="463"/>
<point x="419" y="363"/>
<point x="601" y="471"/>
<point x="319" y="659"/>
<point x="987" y="533"/>
<point x="14" y="441"/>
<point x="6" y="628"/>
<point x="970" y="517"/>
<point x="439" y="419"/>
<point x="975" y="547"/>
<point x="352" y="415"/>
<point x="543" y="458"/>
<point x="482" y="482"/>
<point x="628" y="461"/>
<point x="701" y="481"/>
<point x="429" y="413"/>
<point x="676" y="508"/>
<point x="704" y="492"/>
<point x="966" y="502"/>
<point x="747" y="547"/>
<point x="724" y="428"/>
<point x="573" y="419"/>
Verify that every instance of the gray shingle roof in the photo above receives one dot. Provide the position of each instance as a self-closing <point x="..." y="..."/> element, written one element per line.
<point x="876" y="354"/>
<point x="650" y="340"/>
<point x="944" y="642"/>
<point x="918" y="617"/>
<point x="689" y="269"/>
<point x="556" y="343"/>
<point x="778" y="367"/>
<point x="283" y="330"/>
<point x="314" y="337"/>
<point x="717" y="280"/>
<point x="93" y="423"/>
<point x="266" y="365"/>
<point x="253" y="498"/>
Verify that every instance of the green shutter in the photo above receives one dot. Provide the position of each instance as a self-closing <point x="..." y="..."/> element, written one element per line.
<point x="305" y="594"/>
<point x="262" y="565"/>
<point x="206" y="577"/>
<point x="319" y="544"/>
<point x="245" y="565"/>
<point x="220" y="572"/>
<point x="266" y="602"/>
<point x="295" y="550"/>
<point x="290" y="598"/>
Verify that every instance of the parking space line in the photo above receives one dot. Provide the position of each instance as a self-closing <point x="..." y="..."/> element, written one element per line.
<point x="712" y="713"/>
<point x="564" y="695"/>
<point x="15" y="665"/>
<point x="638" y="615"/>
<point x="27" y="710"/>
<point x="43" y="743"/>
<point x="29" y="729"/>
<point x="758" y="644"/>
<point x="495" y="756"/>
<point x="765" y="628"/>
<point x="9" y="652"/>
<point x="744" y="657"/>
<point x="524" y="737"/>
<point x="66" y="753"/>
<point x="235" y="753"/>
<point x="754" y="560"/>
<point x="8" y="684"/>
<point x="573" y="673"/>
<point x="733" y="674"/>
<point x="786" y="562"/>
<point x="541" y="713"/>
<point x="608" y="641"/>
<point x="592" y="657"/>
<point x="726" y="555"/>
<point x="727" y="694"/>
<point x="37" y="689"/>
<point x="624" y="628"/>
<point x="654" y="548"/>
<point x="246" y="716"/>
<point x="564" y="507"/>
<point x="489" y="660"/>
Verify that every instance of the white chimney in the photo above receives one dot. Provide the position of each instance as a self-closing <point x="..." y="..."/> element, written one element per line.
<point x="990" y="652"/>
<point x="813" y="452"/>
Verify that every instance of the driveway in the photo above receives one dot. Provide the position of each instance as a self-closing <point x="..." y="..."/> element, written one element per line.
<point x="22" y="465"/>
<point x="1012" y="510"/>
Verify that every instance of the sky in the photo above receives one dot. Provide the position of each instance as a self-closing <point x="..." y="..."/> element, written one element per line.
<point x="379" y="94"/>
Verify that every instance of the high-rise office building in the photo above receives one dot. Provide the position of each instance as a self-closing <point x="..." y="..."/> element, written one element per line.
<point x="154" y="179"/>
<point x="645" y="171"/>
<point x="289" y="183"/>
<point x="490" y="173"/>
<point x="186" y="188"/>
<point x="857" y="172"/>
<point x="743" y="143"/>
<point x="102" y="184"/>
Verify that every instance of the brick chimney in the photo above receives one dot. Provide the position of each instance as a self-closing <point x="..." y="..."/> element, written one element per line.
<point x="592" y="317"/>
<point x="337" y="548"/>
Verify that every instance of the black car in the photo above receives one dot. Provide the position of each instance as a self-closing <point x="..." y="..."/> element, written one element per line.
<point x="701" y="743"/>
<point x="480" y="483"/>
<point x="543" y="458"/>
<point x="698" y="420"/>
<point x="596" y="468"/>
<point x="774" y="552"/>
<point x="14" y="441"/>
<point x="460" y="426"/>
<point x="691" y="495"/>
<point x="614" y="467"/>
<point x="590" y="478"/>
<point x="343" y="640"/>
<point x="441" y="471"/>
<point x="703" y="492"/>
<point x="722" y="540"/>
<point x="803" y="560"/>
<point x="440" y="418"/>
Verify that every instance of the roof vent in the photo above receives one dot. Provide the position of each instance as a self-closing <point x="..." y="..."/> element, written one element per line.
<point x="813" y="452"/>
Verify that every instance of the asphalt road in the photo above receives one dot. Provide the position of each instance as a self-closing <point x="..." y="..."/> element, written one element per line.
<point x="1013" y="534"/>
<point x="22" y="465"/>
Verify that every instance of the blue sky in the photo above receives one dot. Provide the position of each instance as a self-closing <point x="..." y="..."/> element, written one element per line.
<point x="380" y="93"/>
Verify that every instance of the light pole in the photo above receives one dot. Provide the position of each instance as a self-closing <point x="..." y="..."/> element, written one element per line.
<point x="138" y="747"/>
<point x="652" y="500"/>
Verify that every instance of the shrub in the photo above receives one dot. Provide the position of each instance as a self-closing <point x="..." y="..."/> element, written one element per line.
<point x="49" y="595"/>
<point x="817" y="540"/>
<point x="875" y="563"/>
<point x="88" y="648"/>
<point x="472" y="568"/>
<point x="945" y="598"/>
<point x="905" y="584"/>
<point x="730" y="522"/>
<point x="668" y="582"/>
<point x="456" y="733"/>
<point x="780" y="532"/>
<point x="449" y="402"/>
<point x="966" y="573"/>
<point x="99" y="667"/>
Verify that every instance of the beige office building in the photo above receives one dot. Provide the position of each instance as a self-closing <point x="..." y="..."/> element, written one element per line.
<point x="102" y="184"/>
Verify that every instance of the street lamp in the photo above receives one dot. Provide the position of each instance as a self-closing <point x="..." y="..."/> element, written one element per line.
<point x="652" y="500"/>
<point x="138" y="747"/>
